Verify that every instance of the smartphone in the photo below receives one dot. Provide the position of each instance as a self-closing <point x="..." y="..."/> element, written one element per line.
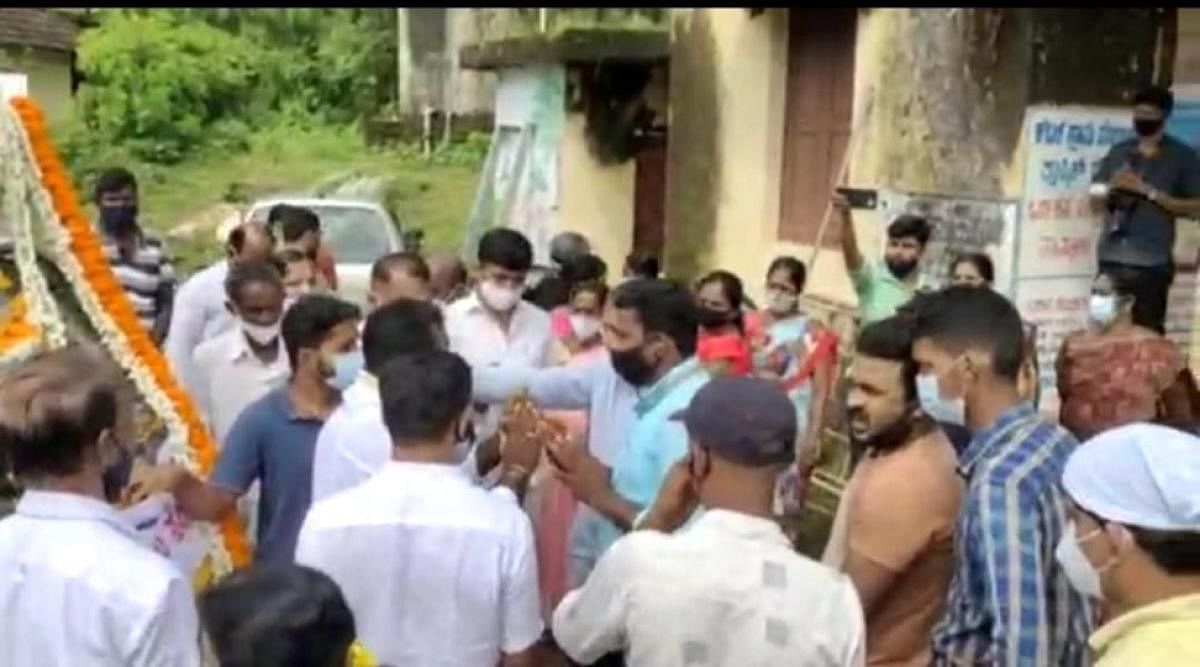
<point x="860" y="197"/>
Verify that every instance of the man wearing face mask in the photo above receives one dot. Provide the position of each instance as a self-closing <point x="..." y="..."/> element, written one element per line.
<point x="1134" y="542"/>
<point x="729" y="590"/>
<point x="1142" y="186"/>
<point x="493" y="325"/>
<point x="883" y="289"/>
<point x="273" y="439"/>
<point x="139" y="261"/>
<point x="1009" y="602"/>
<point x="78" y="589"/>
<point x="239" y="367"/>
<point x="894" y="529"/>
<point x="199" y="312"/>
<point x="650" y="332"/>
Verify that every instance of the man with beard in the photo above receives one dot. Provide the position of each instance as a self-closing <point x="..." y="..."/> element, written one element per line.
<point x="650" y="331"/>
<point x="883" y="289"/>
<point x="894" y="530"/>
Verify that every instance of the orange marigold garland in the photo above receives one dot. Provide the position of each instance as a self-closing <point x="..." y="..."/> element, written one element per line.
<point x="86" y="247"/>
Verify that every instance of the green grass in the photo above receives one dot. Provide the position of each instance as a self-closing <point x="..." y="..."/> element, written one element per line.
<point x="433" y="195"/>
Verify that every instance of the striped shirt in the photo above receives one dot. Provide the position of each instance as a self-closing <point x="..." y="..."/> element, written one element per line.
<point x="143" y="276"/>
<point x="1010" y="602"/>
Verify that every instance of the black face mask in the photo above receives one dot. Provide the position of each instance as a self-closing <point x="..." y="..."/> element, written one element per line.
<point x="118" y="220"/>
<point x="632" y="366"/>
<point x="1147" y="127"/>
<point x="901" y="268"/>
<point x="713" y="319"/>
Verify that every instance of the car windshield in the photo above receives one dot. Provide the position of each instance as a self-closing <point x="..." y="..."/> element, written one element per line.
<point x="355" y="235"/>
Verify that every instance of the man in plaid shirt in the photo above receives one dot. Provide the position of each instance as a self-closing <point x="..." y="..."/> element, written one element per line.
<point x="1010" y="603"/>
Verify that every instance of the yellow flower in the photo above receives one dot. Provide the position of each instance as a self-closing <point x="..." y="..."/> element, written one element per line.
<point x="358" y="656"/>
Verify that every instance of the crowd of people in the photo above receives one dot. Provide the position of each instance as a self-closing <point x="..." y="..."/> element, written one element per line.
<point x="492" y="468"/>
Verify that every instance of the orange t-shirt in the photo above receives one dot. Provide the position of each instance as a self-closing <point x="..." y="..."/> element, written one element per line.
<point x="903" y="506"/>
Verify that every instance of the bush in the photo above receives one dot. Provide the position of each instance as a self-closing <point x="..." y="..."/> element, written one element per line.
<point x="157" y="85"/>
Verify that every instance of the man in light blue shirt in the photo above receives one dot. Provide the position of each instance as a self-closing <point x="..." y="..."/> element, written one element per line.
<point x="650" y="332"/>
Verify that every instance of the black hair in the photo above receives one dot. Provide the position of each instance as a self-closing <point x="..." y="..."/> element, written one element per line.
<point x="1157" y="97"/>
<point x="981" y="262"/>
<point x="595" y="287"/>
<point x="1176" y="552"/>
<point x="280" y="614"/>
<point x="643" y="265"/>
<point x="423" y="393"/>
<point x="664" y="307"/>
<point x="910" y="227"/>
<point x="796" y="270"/>
<point x="410" y="263"/>
<point x="891" y="339"/>
<point x="567" y="246"/>
<point x="243" y="274"/>
<point x="52" y="411"/>
<point x="583" y="268"/>
<point x="404" y="326"/>
<point x="293" y="221"/>
<point x="1124" y="279"/>
<point x="959" y="318"/>
<point x="113" y="179"/>
<point x="507" y="249"/>
<point x="308" y="322"/>
<point x="730" y="284"/>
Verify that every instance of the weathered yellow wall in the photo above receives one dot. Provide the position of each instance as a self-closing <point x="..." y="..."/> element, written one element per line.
<point x="750" y="62"/>
<point x="49" y="74"/>
<point x="595" y="200"/>
<point x="910" y="129"/>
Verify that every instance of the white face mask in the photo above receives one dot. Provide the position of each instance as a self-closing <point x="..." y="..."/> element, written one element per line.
<point x="260" y="333"/>
<point x="950" y="411"/>
<point x="781" y="302"/>
<point x="1084" y="577"/>
<point x="585" y="327"/>
<point x="1102" y="309"/>
<point x="497" y="297"/>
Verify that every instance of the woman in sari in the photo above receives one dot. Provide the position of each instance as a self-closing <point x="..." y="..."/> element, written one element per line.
<point x="555" y="506"/>
<point x="1116" y="372"/>
<point x="802" y="354"/>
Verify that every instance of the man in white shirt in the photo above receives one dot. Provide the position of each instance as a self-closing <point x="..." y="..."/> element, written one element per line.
<point x="242" y="365"/>
<point x="199" y="311"/>
<point x="492" y="324"/>
<point x="729" y="589"/>
<point x="354" y="444"/>
<point x="436" y="569"/>
<point x="75" y="586"/>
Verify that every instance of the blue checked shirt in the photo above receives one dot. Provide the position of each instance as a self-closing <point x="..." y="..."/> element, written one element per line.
<point x="1010" y="602"/>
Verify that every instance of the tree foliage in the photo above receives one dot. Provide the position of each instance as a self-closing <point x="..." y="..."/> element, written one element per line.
<point x="163" y="83"/>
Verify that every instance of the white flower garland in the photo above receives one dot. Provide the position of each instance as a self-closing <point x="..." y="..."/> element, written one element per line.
<point x="23" y="174"/>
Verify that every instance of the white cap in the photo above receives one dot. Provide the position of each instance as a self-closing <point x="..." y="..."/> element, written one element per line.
<point x="1140" y="475"/>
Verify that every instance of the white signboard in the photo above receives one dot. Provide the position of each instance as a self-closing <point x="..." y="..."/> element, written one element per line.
<point x="1058" y="228"/>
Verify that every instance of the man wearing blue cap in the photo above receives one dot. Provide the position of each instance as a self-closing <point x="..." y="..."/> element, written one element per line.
<point x="1134" y="542"/>
<point x="728" y="590"/>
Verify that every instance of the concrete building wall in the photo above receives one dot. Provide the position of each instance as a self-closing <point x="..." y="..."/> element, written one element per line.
<point x="940" y="97"/>
<point x="49" y="75"/>
<point x="595" y="200"/>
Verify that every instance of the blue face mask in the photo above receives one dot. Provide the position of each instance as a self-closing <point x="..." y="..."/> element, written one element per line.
<point x="950" y="411"/>
<point x="346" y="368"/>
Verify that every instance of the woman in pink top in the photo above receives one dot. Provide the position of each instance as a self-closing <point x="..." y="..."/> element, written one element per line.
<point x="727" y="331"/>
<point x="580" y="343"/>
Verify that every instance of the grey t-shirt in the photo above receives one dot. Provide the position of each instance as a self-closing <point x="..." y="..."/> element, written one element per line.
<point x="1150" y="230"/>
<point x="269" y="443"/>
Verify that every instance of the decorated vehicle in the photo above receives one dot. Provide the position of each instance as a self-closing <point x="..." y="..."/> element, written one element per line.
<point x="57" y="287"/>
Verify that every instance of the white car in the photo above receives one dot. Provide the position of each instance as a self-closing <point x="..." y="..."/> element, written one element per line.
<point x="357" y="232"/>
